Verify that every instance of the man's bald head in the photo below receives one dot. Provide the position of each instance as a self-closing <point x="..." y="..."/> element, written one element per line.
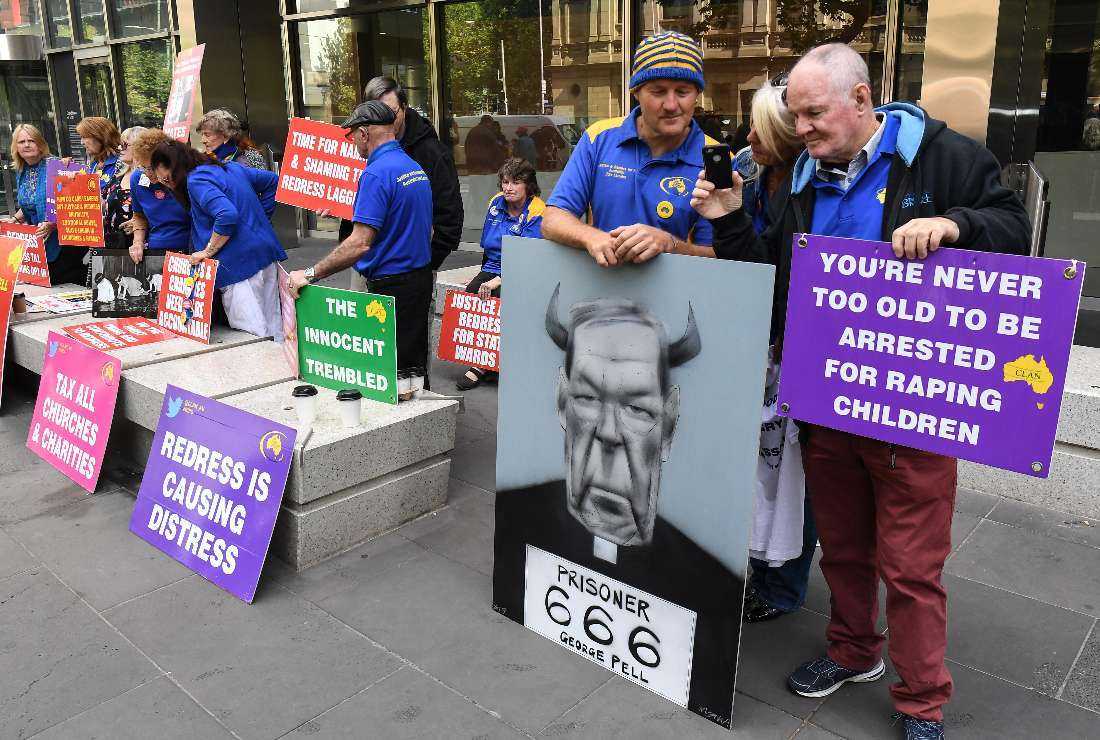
<point x="842" y="65"/>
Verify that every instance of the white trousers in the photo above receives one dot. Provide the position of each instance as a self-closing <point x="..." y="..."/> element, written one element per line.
<point x="252" y="305"/>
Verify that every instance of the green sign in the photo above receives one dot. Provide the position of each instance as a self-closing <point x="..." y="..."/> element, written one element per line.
<point x="348" y="339"/>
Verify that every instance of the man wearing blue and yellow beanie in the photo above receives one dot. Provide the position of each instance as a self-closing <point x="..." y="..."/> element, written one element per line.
<point x="636" y="172"/>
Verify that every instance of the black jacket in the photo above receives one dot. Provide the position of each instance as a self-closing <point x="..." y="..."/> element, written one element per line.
<point x="935" y="172"/>
<point x="421" y="142"/>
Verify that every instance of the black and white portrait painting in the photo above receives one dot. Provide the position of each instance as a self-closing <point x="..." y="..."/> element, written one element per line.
<point x="121" y="287"/>
<point x="628" y="435"/>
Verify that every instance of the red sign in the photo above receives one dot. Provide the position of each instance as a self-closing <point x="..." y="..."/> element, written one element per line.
<point x="34" y="270"/>
<point x="320" y="168"/>
<point x="470" y="333"/>
<point x="79" y="211"/>
<point x="186" y="294"/>
<point x="185" y="78"/>
<point x="11" y="251"/>
<point x="117" y="333"/>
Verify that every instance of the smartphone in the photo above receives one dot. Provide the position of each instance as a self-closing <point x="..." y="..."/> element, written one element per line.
<point x="718" y="165"/>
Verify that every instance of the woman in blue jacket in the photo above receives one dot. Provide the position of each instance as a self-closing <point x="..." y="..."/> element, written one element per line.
<point x="231" y="209"/>
<point x="160" y="222"/>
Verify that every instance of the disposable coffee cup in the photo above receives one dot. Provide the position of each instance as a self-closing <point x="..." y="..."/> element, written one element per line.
<point x="417" y="379"/>
<point x="350" y="401"/>
<point x="19" y="303"/>
<point x="404" y="382"/>
<point x="305" y="405"/>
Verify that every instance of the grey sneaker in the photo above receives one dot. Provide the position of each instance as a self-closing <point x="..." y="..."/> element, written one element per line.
<point x="823" y="676"/>
<point x="920" y="729"/>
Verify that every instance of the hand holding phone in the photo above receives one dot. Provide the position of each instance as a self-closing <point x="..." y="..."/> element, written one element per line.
<point x="718" y="165"/>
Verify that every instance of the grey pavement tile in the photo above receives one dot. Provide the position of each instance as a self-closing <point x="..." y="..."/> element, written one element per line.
<point x="262" y="669"/>
<point x="58" y="658"/>
<point x="1083" y="687"/>
<point x="17" y="456"/>
<point x="481" y="407"/>
<point x="350" y="569"/>
<point x="621" y="709"/>
<point x="982" y="620"/>
<point x="461" y="531"/>
<point x="157" y="709"/>
<point x="13" y="558"/>
<point x="810" y="731"/>
<point x="771" y="650"/>
<point x="89" y="546"/>
<point x="961" y="527"/>
<point x="406" y="706"/>
<point x="438" y="614"/>
<point x="458" y="491"/>
<point x="974" y="503"/>
<point x="1044" y="568"/>
<point x="476" y="463"/>
<point x="1039" y="520"/>
<point x="35" y="491"/>
<point x="466" y="434"/>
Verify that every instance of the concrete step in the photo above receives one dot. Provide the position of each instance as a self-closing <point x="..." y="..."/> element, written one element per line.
<point x="1079" y="421"/>
<point x="456" y="279"/>
<point x="1073" y="485"/>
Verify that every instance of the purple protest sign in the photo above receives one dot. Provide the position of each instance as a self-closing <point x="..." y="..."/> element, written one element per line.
<point x="212" y="489"/>
<point x="963" y="354"/>
<point x="54" y="166"/>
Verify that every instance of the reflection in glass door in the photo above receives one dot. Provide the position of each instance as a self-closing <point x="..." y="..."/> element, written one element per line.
<point x="97" y="88"/>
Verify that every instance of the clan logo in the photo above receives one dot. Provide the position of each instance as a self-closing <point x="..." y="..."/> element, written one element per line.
<point x="665" y="209"/>
<point x="273" y="446"/>
<point x="107" y="374"/>
<point x="674" y="186"/>
<point x="880" y="196"/>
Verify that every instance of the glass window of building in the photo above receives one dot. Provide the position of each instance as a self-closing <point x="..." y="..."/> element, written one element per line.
<point x="910" y="64"/>
<point x="146" y="74"/>
<point x="525" y="79"/>
<point x="96" y="88"/>
<point x="90" y="22"/>
<point x="139" y="17"/>
<point x="20" y="17"/>
<point x="57" y="16"/>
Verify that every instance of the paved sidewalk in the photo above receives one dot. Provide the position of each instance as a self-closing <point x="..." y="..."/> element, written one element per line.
<point x="101" y="636"/>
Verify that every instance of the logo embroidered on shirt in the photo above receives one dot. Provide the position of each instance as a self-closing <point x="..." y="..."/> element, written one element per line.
<point x="881" y="196"/>
<point x="908" y="200"/>
<point x="926" y="198"/>
<point x="674" y="186"/>
<point x="665" y="209"/>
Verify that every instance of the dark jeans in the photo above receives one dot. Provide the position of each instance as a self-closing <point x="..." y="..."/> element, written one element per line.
<point x="784" y="586"/>
<point x="412" y="299"/>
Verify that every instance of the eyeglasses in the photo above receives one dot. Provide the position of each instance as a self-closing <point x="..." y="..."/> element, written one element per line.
<point x="780" y="80"/>
<point x="351" y="133"/>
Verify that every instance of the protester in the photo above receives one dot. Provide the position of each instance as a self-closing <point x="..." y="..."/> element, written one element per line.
<point x="524" y="147"/>
<point x="635" y="173"/>
<point x="100" y="139"/>
<point x="160" y="222"/>
<point x="30" y="154"/>
<point x="486" y="147"/>
<point x="231" y="207"/>
<point x="422" y="144"/>
<point x="516" y="211"/>
<point x="390" y="244"/>
<point x="223" y="136"/>
<point x="117" y="194"/>
<point x="898" y="175"/>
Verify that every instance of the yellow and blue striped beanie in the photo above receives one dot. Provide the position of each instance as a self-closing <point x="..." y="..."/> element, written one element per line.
<point x="668" y="56"/>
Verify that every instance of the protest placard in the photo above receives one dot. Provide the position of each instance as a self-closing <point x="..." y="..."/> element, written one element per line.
<point x="185" y="77"/>
<point x="962" y="354"/>
<point x="470" y="330"/>
<point x="73" y="301"/>
<point x="54" y="166"/>
<point x="212" y="489"/>
<point x="34" y="270"/>
<point x="186" y="294"/>
<point x="320" y="169"/>
<point x="75" y="407"/>
<point x="290" y="321"/>
<point x="11" y="257"/>
<point x="79" y="211"/>
<point x="348" y="339"/>
<point x="118" y="333"/>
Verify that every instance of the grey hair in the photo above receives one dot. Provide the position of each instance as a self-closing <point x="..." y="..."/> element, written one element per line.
<point x="379" y="86"/>
<point x="220" y="121"/>
<point x="845" y="67"/>
<point x="130" y="134"/>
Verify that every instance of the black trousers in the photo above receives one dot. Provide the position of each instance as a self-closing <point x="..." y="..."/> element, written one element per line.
<point x="412" y="298"/>
<point x="69" y="267"/>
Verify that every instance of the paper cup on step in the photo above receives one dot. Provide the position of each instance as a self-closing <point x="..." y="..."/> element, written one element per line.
<point x="350" y="402"/>
<point x="305" y="405"/>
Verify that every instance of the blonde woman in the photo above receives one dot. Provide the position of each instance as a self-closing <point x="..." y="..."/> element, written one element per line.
<point x="117" y="196"/>
<point x="773" y="148"/>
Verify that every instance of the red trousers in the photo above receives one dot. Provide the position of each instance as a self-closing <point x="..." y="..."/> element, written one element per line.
<point x="885" y="511"/>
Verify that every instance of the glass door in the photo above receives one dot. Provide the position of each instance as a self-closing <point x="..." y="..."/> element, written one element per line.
<point x="97" y="88"/>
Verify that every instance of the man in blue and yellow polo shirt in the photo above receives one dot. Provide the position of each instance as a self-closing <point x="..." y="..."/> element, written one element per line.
<point x="635" y="174"/>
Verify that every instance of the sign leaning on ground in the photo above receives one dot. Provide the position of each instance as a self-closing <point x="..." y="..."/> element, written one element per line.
<point x="75" y="408"/>
<point x="347" y="339"/>
<point x="185" y="77"/>
<point x="34" y="270"/>
<point x="632" y="553"/>
<point x="212" y="489"/>
<point x="117" y="333"/>
<point x="320" y="169"/>
<point x="79" y="211"/>
<point x="470" y="330"/>
<point x="11" y="257"/>
<point x="962" y="354"/>
<point x="186" y="296"/>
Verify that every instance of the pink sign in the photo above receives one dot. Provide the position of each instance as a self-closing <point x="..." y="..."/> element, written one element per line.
<point x="76" y="403"/>
<point x="290" y="321"/>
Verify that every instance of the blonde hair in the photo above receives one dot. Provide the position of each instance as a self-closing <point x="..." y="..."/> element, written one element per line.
<point x="103" y="131"/>
<point x="129" y="135"/>
<point x="774" y="124"/>
<point x="38" y="139"/>
<point x="142" y="147"/>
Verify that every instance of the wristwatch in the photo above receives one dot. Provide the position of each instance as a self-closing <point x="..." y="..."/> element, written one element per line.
<point x="310" y="274"/>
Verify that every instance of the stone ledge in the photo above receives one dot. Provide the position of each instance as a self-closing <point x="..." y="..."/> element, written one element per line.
<point x="456" y="279"/>
<point x="1079" y="420"/>
<point x="1071" y="487"/>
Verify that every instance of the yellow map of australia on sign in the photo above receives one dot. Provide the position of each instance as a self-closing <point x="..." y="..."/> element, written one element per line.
<point x="1026" y="369"/>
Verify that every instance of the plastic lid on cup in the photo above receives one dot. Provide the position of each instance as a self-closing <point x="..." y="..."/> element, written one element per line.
<point x="303" y="391"/>
<point x="349" y="394"/>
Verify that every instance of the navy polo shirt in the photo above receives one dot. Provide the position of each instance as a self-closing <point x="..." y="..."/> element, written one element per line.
<point x="105" y="170"/>
<point x="612" y="171"/>
<point x="395" y="199"/>
<point x="169" y="225"/>
<point x="856" y="213"/>
<point x="499" y="224"/>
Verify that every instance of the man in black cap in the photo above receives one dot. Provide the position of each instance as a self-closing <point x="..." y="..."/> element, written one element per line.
<point x="390" y="242"/>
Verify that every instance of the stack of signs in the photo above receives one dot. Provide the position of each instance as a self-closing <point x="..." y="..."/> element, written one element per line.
<point x="185" y="77"/>
<point x="631" y="553"/>
<point x="74" y="301"/>
<point x="212" y="489"/>
<point x="470" y="331"/>
<point x="117" y="333"/>
<point x="34" y="270"/>
<point x="79" y="211"/>
<point x="75" y="407"/>
<point x="186" y="296"/>
<point x="290" y="321"/>
<point x="962" y="354"/>
<point x="11" y="257"/>
<point x="53" y="167"/>
<point x="347" y="339"/>
<point x="320" y="169"/>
